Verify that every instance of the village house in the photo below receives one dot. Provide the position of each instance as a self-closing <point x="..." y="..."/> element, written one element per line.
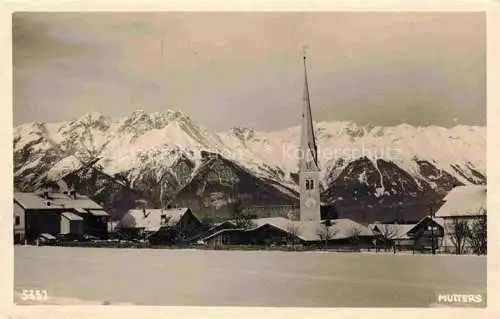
<point x="427" y="234"/>
<point x="422" y="236"/>
<point x="57" y="214"/>
<point x="337" y="233"/>
<point x="464" y="207"/>
<point x="172" y="225"/>
<point x="393" y="236"/>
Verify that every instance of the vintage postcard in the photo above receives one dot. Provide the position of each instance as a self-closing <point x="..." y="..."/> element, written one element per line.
<point x="306" y="159"/>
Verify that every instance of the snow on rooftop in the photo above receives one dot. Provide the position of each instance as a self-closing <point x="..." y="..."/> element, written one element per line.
<point x="56" y="200"/>
<point x="151" y="219"/>
<point x="392" y="231"/>
<point x="71" y="216"/>
<point x="469" y="200"/>
<point x="308" y="230"/>
<point x="439" y="221"/>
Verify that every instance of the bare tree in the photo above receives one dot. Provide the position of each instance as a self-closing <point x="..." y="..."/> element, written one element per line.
<point x="244" y="222"/>
<point x="386" y="233"/>
<point x="354" y="234"/>
<point x="326" y="232"/>
<point x="477" y="236"/>
<point x="459" y="232"/>
<point x="293" y="234"/>
<point x="241" y="220"/>
<point x="238" y="209"/>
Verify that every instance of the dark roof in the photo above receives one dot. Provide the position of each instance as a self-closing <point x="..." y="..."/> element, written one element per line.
<point x="439" y="221"/>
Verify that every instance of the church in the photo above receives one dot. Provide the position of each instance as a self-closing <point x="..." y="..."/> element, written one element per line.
<point x="310" y="203"/>
<point x="315" y="225"/>
<point x="234" y="187"/>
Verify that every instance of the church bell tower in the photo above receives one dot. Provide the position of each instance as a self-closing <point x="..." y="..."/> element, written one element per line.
<point x="310" y="205"/>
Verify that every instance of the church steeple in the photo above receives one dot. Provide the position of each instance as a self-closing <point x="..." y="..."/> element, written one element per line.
<point x="309" y="156"/>
<point x="310" y="206"/>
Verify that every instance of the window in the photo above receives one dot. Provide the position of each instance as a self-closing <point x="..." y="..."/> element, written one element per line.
<point x="309" y="184"/>
<point x="18" y="220"/>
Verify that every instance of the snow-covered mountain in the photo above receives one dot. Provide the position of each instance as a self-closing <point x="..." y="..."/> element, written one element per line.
<point x="159" y="153"/>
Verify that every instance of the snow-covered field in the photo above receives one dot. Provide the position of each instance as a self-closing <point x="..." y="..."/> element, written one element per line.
<point x="243" y="278"/>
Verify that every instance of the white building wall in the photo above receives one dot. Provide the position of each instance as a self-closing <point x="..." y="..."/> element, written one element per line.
<point x="65" y="225"/>
<point x="21" y="216"/>
<point x="310" y="204"/>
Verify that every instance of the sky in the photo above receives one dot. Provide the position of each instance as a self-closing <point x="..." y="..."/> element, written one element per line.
<point x="245" y="69"/>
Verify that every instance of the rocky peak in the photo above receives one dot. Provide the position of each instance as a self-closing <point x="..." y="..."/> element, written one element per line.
<point x="243" y="133"/>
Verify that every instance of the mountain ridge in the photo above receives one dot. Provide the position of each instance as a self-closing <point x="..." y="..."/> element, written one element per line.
<point x="150" y="149"/>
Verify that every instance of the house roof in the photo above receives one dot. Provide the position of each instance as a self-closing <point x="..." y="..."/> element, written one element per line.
<point x="217" y="233"/>
<point x="467" y="200"/>
<point x="341" y="229"/>
<point x="439" y="221"/>
<point x="151" y="220"/>
<point x="226" y="222"/>
<point x="35" y="201"/>
<point x="306" y="230"/>
<point x="71" y="216"/>
<point x="96" y="212"/>
<point x="47" y="236"/>
<point x="393" y="231"/>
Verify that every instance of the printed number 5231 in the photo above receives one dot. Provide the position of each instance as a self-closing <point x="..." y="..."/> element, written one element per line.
<point x="34" y="295"/>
